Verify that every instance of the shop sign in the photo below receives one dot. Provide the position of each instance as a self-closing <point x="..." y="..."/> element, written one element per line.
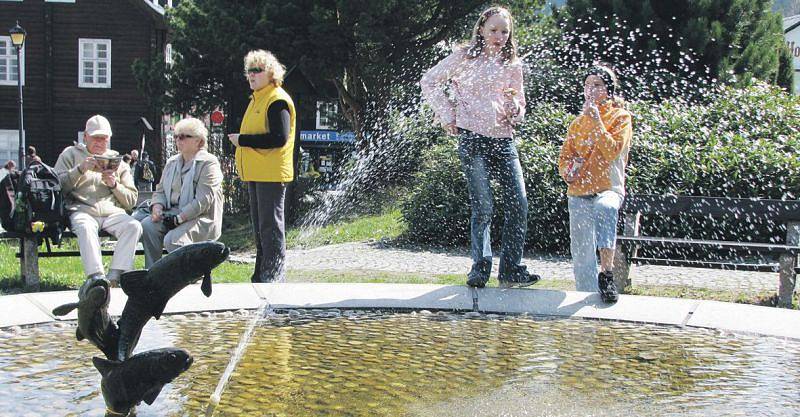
<point x="329" y="136"/>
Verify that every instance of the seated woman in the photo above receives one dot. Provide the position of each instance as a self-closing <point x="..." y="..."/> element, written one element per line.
<point x="592" y="163"/>
<point x="187" y="203"/>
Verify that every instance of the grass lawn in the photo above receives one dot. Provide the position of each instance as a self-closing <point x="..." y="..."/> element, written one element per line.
<point x="238" y="234"/>
<point x="67" y="273"/>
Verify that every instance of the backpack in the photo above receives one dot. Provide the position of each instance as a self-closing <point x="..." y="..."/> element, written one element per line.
<point x="36" y="198"/>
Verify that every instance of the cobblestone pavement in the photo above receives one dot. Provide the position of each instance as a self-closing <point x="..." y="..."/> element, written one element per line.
<point x="380" y="257"/>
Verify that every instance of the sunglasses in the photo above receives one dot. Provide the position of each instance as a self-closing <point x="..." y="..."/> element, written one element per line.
<point x="183" y="136"/>
<point x="255" y="70"/>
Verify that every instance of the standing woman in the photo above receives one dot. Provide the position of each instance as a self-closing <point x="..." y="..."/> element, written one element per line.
<point x="264" y="158"/>
<point x="486" y="101"/>
<point x="592" y="163"/>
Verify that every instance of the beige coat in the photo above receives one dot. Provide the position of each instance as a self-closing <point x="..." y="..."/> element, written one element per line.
<point x="86" y="192"/>
<point x="207" y="202"/>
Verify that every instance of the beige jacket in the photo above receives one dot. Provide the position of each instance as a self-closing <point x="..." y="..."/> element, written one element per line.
<point x="86" y="192"/>
<point x="205" y="200"/>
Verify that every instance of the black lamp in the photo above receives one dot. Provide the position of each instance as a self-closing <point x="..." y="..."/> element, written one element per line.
<point x="18" y="40"/>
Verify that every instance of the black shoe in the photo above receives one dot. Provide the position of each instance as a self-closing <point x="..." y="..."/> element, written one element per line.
<point x="519" y="278"/>
<point x="479" y="275"/>
<point x="608" y="290"/>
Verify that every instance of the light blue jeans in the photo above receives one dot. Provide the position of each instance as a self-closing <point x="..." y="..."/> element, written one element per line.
<point x="484" y="159"/>
<point x="592" y="225"/>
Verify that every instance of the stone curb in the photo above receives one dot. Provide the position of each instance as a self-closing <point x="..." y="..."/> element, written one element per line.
<point x="32" y="309"/>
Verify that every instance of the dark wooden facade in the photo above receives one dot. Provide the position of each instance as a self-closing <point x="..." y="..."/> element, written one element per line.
<point x="55" y="107"/>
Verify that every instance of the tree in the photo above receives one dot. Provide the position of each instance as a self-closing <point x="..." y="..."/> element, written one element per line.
<point x="679" y="45"/>
<point x="366" y="48"/>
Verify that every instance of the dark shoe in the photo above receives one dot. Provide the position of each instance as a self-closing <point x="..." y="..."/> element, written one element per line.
<point x="479" y="275"/>
<point x="519" y="278"/>
<point x="608" y="290"/>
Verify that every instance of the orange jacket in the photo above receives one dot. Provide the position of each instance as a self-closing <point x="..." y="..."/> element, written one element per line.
<point x="604" y="147"/>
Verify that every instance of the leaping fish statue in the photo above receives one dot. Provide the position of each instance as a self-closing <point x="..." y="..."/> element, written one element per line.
<point x="149" y="291"/>
<point x="94" y="323"/>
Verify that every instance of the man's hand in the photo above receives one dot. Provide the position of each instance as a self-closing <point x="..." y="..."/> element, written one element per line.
<point x="88" y="164"/>
<point x="234" y="138"/>
<point x="109" y="178"/>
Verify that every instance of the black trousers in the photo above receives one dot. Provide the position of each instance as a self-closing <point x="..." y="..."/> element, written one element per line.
<point x="266" y="213"/>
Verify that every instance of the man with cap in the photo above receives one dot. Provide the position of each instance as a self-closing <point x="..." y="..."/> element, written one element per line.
<point x="98" y="198"/>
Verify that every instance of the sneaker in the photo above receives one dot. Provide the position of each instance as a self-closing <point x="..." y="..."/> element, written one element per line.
<point x="519" y="278"/>
<point x="479" y="275"/>
<point x="608" y="290"/>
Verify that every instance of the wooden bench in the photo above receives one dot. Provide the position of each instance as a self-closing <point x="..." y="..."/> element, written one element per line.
<point x="29" y="254"/>
<point x="774" y="212"/>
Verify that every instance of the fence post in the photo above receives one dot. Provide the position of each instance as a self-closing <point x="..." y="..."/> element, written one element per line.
<point x="625" y="251"/>
<point x="788" y="262"/>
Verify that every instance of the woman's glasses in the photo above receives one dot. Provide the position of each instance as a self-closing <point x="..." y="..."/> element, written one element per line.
<point x="183" y="136"/>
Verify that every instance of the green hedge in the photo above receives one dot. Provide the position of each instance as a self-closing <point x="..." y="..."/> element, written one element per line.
<point x="743" y="144"/>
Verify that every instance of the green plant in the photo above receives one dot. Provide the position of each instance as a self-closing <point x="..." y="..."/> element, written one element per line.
<point x="743" y="143"/>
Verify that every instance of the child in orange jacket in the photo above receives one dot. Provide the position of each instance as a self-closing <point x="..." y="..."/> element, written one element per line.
<point x="592" y="163"/>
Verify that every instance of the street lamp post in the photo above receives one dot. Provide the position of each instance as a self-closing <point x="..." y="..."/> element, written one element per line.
<point x="18" y="40"/>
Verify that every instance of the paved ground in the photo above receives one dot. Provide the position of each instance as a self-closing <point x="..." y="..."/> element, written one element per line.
<point x="381" y="257"/>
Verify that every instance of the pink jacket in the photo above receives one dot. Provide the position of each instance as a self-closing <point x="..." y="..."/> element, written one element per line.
<point x="477" y="93"/>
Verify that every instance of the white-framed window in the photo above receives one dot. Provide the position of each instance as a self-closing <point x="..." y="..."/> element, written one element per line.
<point x="9" y="146"/>
<point x="94" y="63"/>
<point x="327" y="112"/>
<point x="9" y="67"/>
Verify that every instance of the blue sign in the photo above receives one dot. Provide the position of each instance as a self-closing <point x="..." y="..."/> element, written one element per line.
<point x="347" y="137"/>
<point x="329" y="136"/>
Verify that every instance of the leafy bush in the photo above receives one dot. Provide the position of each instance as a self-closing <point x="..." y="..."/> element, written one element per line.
<point x="743" y="144"/>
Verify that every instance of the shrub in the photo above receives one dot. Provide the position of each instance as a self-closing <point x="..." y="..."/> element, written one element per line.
<point x="743" y="144"/>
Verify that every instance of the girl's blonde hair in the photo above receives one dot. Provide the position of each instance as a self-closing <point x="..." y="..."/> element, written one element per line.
<point x="267" y="60"/>
<point x="194" y="127"/>
<point x="475" y="46"/>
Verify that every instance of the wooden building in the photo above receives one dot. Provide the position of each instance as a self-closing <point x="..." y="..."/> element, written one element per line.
<point x="77" y="62"/>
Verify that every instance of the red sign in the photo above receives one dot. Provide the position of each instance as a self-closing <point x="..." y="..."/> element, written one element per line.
<point x="217" y="117"/>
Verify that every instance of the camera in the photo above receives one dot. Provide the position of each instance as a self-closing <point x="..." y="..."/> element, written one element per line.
<point x="171" y="221"/>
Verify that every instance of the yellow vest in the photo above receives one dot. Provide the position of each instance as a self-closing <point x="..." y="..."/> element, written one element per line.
<point x="265" y="165"/>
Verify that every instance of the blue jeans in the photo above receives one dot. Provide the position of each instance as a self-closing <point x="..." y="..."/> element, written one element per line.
<point x="484" y="159"/>
<point x="592" y="225"/>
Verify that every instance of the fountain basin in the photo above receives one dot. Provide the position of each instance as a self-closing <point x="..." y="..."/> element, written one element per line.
<point x="379" y="349"/>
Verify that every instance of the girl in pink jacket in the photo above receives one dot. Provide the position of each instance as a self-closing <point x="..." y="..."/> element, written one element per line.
<point x="477" y="94"/>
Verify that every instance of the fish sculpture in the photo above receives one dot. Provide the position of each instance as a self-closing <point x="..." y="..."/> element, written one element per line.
<point x="149" y="291"/>
<point x="139" y="378"/>
<point x="94" y="322"/>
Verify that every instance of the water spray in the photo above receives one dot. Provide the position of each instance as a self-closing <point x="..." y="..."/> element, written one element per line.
<point x="216" y="396"/>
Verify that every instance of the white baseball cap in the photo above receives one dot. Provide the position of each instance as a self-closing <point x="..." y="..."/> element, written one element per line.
<point x="98" y="125"/>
